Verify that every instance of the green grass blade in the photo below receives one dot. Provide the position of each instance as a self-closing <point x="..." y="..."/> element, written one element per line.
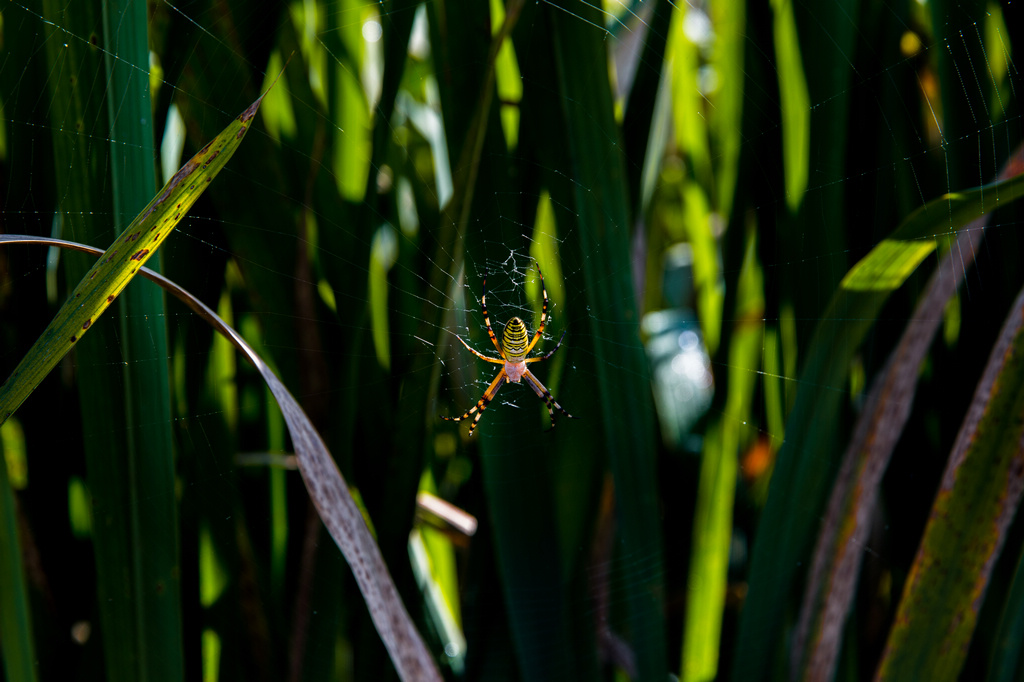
<point x="833" y="577"/>
<point x="119" y="263"/>
<point x="536" y="536"/>
<point x="807" y="460"/>
<point x="15" y="617"/>
<point x="525" y="538"/>
<point x="826" y="39"/>
<point x="638" y="121"/>
<point x="604" y="217"/>
<point x="1006" y="654"/>
<point x="526" y="546"/>
<point x="149" y="481"/>
<point x="729" y="18"/>
<point x="81" y="177"/>
<point x="795" y="102"/>
<point x="349" y="109"/>
<point x="326" y="487"/>
<point x="690" y="123"/>
<point x="712" y="527"/>
<point x="889" y="264"/>
<point x="975" y="505"/>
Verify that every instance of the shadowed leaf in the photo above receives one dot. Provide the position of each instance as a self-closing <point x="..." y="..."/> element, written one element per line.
<point x="328" y="490"/>
<point x="15" y="617"/>
<point x="807" y="461"/>
<point x="837" y="559"/>
<point x="976" y="502"/>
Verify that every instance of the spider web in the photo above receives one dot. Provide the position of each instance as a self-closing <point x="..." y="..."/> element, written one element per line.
<point x="530" y="228"/>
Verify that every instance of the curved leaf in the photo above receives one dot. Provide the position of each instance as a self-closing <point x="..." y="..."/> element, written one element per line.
<point x="836" y="565"/>
<point x="327" y="488"/>
<point x="977" y="500"/>
<point x="889" y="264"/>
<point x="119" y="263"/>
<point x="807" y="461"/>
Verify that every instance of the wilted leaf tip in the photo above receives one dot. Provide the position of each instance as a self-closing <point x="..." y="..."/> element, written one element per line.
<point x="248" y="114"/>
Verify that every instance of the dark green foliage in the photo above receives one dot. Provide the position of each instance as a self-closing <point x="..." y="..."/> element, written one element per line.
<point x="729" y="182"/>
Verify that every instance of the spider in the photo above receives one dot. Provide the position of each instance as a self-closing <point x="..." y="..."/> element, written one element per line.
<point x="513" y="350"/>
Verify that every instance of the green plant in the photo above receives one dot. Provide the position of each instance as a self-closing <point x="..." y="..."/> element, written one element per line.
<point x="791" y="193"/>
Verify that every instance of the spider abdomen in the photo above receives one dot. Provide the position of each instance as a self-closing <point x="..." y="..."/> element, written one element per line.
<point x="515" y="371"/>
<point x="514" y="341"/>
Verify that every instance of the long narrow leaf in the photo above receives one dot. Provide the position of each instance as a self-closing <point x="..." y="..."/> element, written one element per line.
<point x="795" y="103"/>
<point x="976" y="502"/>
<point x="19" y="657"/>
<point x="119" y="263"/>
<point x="712" y="527"/>
<point x="729" y="18"/>
<point x="82" y="174"/>
<point x="1006" y="653"/>
<point x="327" y="488"/>
<point x="807" y="461"/>
<point x="144" y="481"/>
<point x="636" y="129"/>
<point x="536" y="536"/>
<point x="603" y="213"/>
<point x="526" y="542"/>
<point x="837" y="560"/>
<point x="889" y="264"/>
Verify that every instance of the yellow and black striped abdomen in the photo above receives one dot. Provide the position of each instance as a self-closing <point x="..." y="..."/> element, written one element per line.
<point x="514" y="340"/>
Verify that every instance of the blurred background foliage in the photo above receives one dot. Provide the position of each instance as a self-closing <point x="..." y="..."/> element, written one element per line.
<point x="695" y="180"/>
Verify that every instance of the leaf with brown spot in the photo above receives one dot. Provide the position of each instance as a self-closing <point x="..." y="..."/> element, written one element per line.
<point x="975" y="505"/>
<point x="807" y="464"/>
<point x="835" y="568"/>
<point x="329" y="492"/>
<point x="116" y="267"/>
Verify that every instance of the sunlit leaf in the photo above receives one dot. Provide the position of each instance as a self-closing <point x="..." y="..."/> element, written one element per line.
<point x="712" y="526"/>
<point x="894" y="259"/>
<point x="795" y="102"/>
<point x="119" y="263"/>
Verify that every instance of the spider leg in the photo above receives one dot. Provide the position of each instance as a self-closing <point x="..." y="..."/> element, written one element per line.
<point x="479" y="354"/>
<point x="481" y="404"/>
<point x="546" y="355"/>
<point x="487" y="321"/>
<point x="544" y="394"/>
<point x="543" y="313"/>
